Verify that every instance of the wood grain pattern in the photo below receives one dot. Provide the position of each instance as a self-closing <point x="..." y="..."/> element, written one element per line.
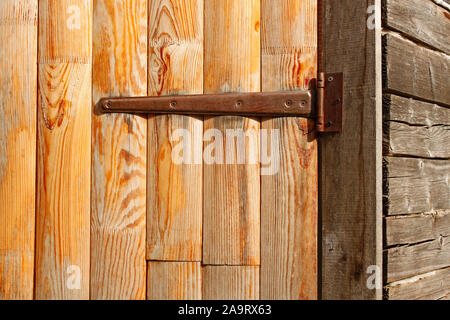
<point x="414" y="112"/>
<point x="118" y="266"/>
<point x="64" y="150"/>
<point x="289" y="196"/>
<point x="407" y="261"/>
<point x="414" y="140"/>
<point x="430" y="286"/>
<point x="415" y="128"/>
<point x="422" y="74"/>
<point x="351" y="162"/>
<point x="414" y="185"/>
<point x="415" y="146"/>
<point x="417" y="228"/>
<point x="18" y="65"/>
<point x="447" y="296"/>
<point x="421" y="20"/>
<point x="174" y="280"/>
<point x="174" y="191"/>
<point x="231" y="205"/>
<point x="230" y="283"/>
<point x="63" y="182"/>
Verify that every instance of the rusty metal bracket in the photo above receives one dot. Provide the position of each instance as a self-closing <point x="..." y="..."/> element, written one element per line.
<point x="289" y="103"/>
<point x="325" y="103"/>
<point x="330" y="91"/>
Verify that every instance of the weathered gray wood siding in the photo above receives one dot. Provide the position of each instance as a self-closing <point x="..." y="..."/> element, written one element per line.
<point x="416" y="149"/>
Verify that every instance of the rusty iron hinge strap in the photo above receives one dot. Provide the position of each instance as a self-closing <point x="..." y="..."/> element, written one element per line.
<point x="288" y="103"/>
<point x="325" y="103"/>
<point x="330" y="87"/>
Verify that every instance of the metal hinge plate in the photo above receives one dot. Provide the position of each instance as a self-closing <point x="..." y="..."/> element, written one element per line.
<point x="289" y="103"/>
<point x="325" y="103"/>
<point x="330" y="92"/>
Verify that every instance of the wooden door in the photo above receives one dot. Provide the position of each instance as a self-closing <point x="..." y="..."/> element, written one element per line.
<point x="214" y="229"/>
<point x="102" y="210"/>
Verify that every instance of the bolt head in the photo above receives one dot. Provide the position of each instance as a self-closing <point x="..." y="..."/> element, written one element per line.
<point x="288" y="103"/>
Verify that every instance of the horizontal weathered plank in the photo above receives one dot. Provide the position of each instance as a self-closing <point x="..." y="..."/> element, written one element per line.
<point x="415" y="128"/>
<point x="414" y="112"/>
<point x="416" y="228"/>
<point x="414" y="70"/>
<point x="415" y="185"/>
<point x="419" y="141"/>
<point x="430" y="286"/>
<point x="426" y="21"/>
<point x="407" y="261"/>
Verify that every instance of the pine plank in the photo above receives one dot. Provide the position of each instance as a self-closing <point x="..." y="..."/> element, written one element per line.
<point x="174" y="280"/>
<point x="64" y="124"/>
<point x="350" y="185"/>
<point x="289" y="197"/>
<point x="231" y="193"/>
<point x="422" y="75"/>
<point x="174" y="198"/>
<point x="63" y="181"/>
<point x="64" y="150"/>
<point x="18" y="65"/>
<point x="230" y="283"/>
<point x="424" y="21"/>
<point x="118" y="266"/>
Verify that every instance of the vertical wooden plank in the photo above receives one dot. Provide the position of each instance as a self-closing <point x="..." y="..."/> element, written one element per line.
<point x="232" y="191"/>
<point x="174" y="280"/>
<point x="18" y="65"/>
<point x="64" y="149"/>
<point x="230" y="283"/>
<point x="118" y="266"/>
<point x="351" y="162"/>
<point x="289" y="196"/>
<point x="174" y="210"/>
